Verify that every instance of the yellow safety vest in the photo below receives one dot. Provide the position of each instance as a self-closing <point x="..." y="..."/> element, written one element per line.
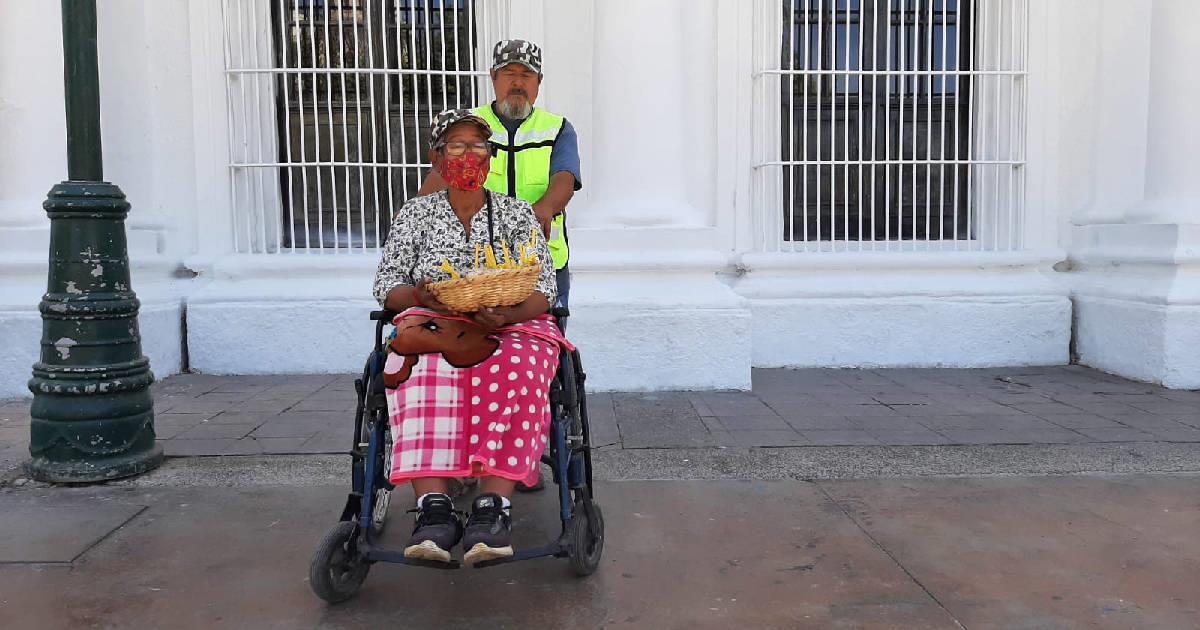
<point x="523" y="163"/>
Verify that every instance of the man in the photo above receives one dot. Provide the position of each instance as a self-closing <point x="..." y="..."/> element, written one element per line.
<point x="535" y="153"/>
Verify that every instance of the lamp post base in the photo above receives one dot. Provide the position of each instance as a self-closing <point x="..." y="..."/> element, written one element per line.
<point x="92" y="470"/>
<point x="92" y="417"/>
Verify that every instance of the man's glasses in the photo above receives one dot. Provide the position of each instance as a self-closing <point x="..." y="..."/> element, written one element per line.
<point x="455" y="149"/>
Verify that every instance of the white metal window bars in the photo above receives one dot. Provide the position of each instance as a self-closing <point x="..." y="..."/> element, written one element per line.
<point x="890" y="124"/>
<point x="329" y="106"/>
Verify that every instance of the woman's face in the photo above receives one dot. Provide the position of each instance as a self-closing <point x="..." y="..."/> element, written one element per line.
<point x="463" y="138"/>
<point x="464" y="158"/>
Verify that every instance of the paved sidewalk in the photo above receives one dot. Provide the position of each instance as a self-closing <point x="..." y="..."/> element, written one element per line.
<point x="253" y="415"/>
<point x="824" y="498"/>
<point x="14" y="434"/>
<point x="1003" y="552"/>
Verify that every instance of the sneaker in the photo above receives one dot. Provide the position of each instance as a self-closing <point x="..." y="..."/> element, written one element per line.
<point x="489" y="530"/>
<point x="437" y="530"/>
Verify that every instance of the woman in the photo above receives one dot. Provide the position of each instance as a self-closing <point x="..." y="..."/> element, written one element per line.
<point x="471" y="390"/>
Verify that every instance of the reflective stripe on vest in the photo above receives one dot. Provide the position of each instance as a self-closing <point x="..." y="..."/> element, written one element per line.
<point x="525" y="163"/>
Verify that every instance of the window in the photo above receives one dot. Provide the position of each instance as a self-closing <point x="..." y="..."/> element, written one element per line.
<point x="350" y="87"/>
<point x="899" y="121"/>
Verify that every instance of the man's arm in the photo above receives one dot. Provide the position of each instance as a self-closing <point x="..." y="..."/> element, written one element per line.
<point x="558" y="195"/>
<point x="433" y="183"/>
<point x="564" y="177"/>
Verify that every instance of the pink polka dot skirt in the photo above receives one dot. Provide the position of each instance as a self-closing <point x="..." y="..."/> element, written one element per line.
<point x="491" y="419"/>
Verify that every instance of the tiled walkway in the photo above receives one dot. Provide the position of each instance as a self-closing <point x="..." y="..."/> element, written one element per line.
<point x="250" y="415"/>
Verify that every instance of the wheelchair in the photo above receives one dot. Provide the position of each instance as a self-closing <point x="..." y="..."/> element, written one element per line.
<point x="347" y="551"/>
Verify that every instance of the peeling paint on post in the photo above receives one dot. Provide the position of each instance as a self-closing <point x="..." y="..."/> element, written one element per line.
<point x="63" y="345"/>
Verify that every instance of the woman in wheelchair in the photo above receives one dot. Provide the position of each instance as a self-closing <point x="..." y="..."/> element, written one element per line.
<point x="468" y="392"/>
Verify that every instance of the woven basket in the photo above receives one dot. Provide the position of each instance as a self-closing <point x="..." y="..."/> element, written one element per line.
<point x="492" y="287"/>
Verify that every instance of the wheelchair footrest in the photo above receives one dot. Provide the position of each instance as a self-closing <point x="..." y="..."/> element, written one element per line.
<point x="384" y="555"/>
<point x="555" y="550"/>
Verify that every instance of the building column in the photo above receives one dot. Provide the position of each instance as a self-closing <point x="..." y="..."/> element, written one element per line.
<point x="33" y="155"/>
<point x="654" y="120"/>
<point x="1172" y="192"/>
<point x="645" y="247"/>
<point x="1138" y="293"/>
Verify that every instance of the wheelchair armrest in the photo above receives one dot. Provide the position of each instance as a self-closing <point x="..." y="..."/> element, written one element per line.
<point x="559" y="312"/>
<point x="383" y="315"/>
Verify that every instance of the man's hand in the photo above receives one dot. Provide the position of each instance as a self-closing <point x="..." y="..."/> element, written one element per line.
<point x="492" y="318"/>
<point x="431" y="301"/>
<point x="433" y="183"/>
<point x="554" y="202"/>
<point x="545" y="214"/>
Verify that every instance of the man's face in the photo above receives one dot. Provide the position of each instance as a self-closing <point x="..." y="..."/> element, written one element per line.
<point x="516" y="89"/>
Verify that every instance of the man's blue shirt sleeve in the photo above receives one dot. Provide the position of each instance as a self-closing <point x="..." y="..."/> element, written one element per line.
<point x="565" y="155"/>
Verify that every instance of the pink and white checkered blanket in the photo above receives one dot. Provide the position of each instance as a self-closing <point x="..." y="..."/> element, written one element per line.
<point x="490" y="418"/>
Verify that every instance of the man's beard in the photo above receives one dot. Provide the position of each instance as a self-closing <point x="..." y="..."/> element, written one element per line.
<point x="514" y="108"/>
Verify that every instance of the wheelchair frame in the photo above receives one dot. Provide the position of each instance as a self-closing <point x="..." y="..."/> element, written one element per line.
<point x="345" y="554"/>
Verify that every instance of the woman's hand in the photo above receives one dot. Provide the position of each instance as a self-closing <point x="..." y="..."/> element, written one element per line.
<point x="496" y="317"/>
<point x="491" y="318"/>
<point x="427" y="299"/>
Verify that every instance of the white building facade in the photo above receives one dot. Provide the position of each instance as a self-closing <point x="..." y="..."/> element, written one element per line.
<point x="767" y="183"/>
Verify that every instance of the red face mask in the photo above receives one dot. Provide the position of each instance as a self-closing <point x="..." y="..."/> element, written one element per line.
<point x="464" y="172"/>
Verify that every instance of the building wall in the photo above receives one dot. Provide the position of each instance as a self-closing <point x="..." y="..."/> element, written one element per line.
<point x="31" y="118"/>
<point x="141" y="154"/>
<point x="1134" y="239"/>
<point x="670" y="289"/>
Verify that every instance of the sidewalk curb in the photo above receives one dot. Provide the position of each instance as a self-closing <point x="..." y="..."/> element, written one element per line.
<point x="793" y="463"/>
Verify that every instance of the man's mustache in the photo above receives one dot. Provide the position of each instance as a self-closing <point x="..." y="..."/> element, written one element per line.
<point x="517" y="92"/>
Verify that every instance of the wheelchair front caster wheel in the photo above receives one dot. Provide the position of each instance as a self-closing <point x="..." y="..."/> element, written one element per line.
<point x="383" y="497"/>
<point x="337" y="571"/>
<point x="383" y="489"/>
<point x="587" y="542"/>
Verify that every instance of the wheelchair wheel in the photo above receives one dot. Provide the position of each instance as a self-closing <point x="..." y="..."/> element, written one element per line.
<point x="337" y="571"/>
<point x="383" y="489"/>
<point x="586" y="548"/>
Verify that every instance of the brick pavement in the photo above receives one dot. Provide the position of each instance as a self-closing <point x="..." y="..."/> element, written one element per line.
<point x="200" y="414"/>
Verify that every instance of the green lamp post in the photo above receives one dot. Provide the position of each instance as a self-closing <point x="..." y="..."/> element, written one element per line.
<point x="92" y="412"/>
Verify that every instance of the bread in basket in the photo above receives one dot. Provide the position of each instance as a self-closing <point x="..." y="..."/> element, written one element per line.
<point x="503" y="282"/>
